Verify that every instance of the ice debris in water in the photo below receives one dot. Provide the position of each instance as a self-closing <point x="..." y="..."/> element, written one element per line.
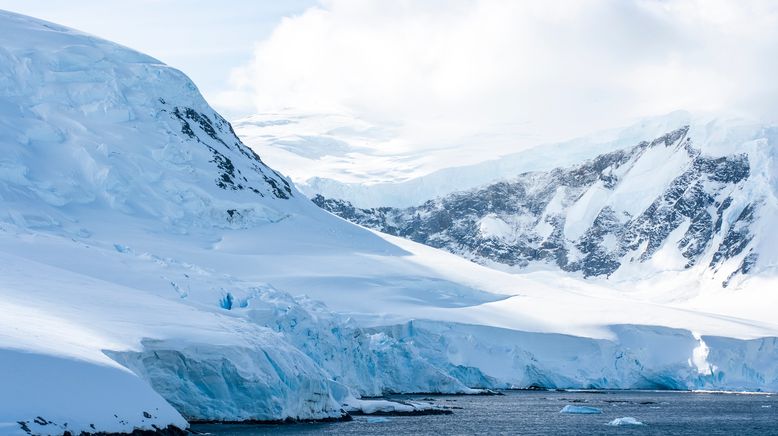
<point x="627" y="420"/>
<point x="580" y="410"/>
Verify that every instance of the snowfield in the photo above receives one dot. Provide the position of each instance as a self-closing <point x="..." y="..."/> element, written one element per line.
<point x="339" y="156"/>
<point x="154" y="270"/>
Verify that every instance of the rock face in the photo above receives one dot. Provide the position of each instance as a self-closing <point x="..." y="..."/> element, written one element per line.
<point x="620" y="208"/>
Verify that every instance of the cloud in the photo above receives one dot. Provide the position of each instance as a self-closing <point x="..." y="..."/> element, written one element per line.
<point x="511" y="74"/>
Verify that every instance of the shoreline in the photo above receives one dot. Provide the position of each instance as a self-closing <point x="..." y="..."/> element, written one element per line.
<point x="349" y="416"/>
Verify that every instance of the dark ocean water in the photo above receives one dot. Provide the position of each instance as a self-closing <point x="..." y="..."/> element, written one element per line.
<point x="537" y="413"/>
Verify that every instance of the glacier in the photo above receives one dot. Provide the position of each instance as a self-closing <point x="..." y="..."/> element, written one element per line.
<point x="155" y="271"/>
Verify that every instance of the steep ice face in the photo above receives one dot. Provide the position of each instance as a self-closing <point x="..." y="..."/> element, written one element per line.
<point x="635" y="357"/>
<point x="658" y="206"/>
<point x="267" y="379"/>
<point x="734" y="363"/>
<point x="370" y="362"/>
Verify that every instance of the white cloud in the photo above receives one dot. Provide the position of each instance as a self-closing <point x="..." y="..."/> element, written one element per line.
<point x="203" y="38"/>
<point x="513" y="71"/>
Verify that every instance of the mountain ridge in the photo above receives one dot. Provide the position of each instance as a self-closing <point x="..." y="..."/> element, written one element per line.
<point x="594" y="217"/>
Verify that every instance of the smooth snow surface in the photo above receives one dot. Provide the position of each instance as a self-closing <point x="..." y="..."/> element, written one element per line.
<point x="63" y="389"/>
<point x="153" y="268"/>
<point x="338" y="156"/>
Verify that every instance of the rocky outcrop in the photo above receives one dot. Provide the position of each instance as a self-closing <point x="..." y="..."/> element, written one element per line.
<point x="618" y="208"/>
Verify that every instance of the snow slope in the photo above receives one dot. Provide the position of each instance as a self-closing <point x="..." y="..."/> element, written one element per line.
<point x="114" y="169"/>
<point x="339" y="156"/>
<point x="153" y="269"/>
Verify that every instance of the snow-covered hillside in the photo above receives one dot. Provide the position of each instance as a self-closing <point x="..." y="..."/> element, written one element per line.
<point x="659" y="206"/>
<point x="339" y="156"/>
<point x="153" y="269"/>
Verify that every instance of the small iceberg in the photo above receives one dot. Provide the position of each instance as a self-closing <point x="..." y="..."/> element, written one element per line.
<point x="376" y="419"/>
<point x="627" y="420"/>
<point x="356" y="406"/>
<point x="580" y="410"/>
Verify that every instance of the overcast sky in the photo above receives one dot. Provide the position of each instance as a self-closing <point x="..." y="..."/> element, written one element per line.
<point x="206" y="39"/>
<point x="443" y="70"/>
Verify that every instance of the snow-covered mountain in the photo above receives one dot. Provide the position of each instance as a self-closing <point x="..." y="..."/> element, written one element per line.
<point x="128" y="207"/>
<point x="631" y="213"/>
<point x="344" y="157"/>
<point x="153" y="270"/>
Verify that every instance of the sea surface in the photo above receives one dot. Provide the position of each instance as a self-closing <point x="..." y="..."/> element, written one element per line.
<point x="538" y="413"/>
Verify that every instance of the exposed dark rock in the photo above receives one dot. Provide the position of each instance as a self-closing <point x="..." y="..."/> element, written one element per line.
<point x="698" y="197"/>
<point x="170" y="430"/>
<point x="345" y="417"/>
<point x="218" y="136"/>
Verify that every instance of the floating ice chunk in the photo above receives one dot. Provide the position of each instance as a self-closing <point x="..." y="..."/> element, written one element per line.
<point x="580" y="410"/>
<point x="627" y="420"/>
<point x="386" y="407"/>
<point x="376" y="419"/>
